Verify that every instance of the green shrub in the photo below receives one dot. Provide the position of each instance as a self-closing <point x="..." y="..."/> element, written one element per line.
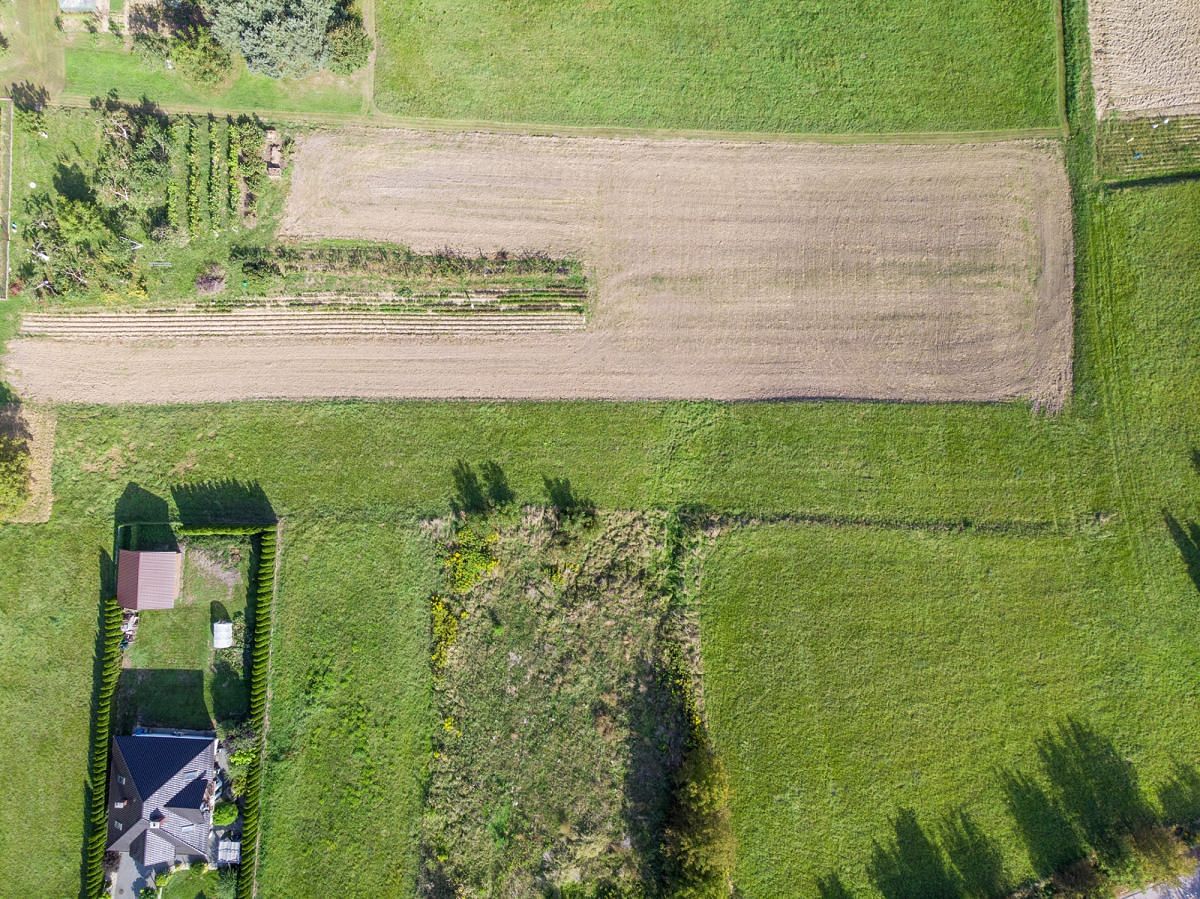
<point x="264" y="582"/>
<point x="471" y="559"/>
<point x="349" y="46"/>
<point x="200" y="59"/>
<point x="14" y="472"/>
<point x="699" y="840"/>
<point x="225" y="813"/>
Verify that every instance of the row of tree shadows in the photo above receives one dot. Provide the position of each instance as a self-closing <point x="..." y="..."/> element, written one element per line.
<point x="1084" y="799"/>
<point x="207" y="504"/>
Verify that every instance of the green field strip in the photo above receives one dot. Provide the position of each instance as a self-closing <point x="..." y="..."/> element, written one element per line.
<point x="387" y="120"/>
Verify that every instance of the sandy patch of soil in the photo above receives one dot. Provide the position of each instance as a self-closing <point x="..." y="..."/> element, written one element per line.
<point x="1145" y="56"/>
<point x="720" y="270"/>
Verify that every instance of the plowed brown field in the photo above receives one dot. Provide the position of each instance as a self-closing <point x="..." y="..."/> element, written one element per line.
<point x="1145" y="56"/>
<point x="719" y="270"/>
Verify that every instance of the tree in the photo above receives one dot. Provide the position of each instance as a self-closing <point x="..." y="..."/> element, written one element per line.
<point x="200" y="59"/>
<point x="699" y="843"/>
<point x="132" y="167"/>
<point x="277" y="37"/>
<point x="349" y="46"/>
<point x="73" y="247"/>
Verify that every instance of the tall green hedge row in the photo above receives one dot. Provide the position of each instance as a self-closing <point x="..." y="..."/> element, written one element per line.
<point x="260" y="631"/>
<point x="204" y="530"/>
<point x="108" y="671"/>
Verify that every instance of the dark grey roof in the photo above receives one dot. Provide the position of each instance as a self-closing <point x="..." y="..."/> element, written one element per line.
<point x="163" y="781"/>
<point x="153" y="760"/>
<point x="190" y="797"/>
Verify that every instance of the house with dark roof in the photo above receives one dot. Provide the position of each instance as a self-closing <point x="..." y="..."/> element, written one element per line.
<point x="161" y="790"/>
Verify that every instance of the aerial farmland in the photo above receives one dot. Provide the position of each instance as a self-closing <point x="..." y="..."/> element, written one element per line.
<point x="600" y="449"/>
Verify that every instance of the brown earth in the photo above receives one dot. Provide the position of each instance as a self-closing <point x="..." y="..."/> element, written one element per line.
<point x="1145" y="56"/>
<point x="719" y="270"/>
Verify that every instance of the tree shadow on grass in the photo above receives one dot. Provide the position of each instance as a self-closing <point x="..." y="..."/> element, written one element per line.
<point x="1095" y="786"/>
<point x="831" y="887"/>
<point x="1050" y="839"/>
<point x="223" y="502"/>
<point x="975" y="857"/>
<point x="1187" y="539"/>
<point x="1180" y="796"/>
<point x="658" y="728"/>
<point x="475" y="493"/>
<point x="911" y="866"/>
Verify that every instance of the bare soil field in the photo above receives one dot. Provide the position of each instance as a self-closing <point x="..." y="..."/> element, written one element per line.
<point x="1145" y="56"/>
<point x="719" y="270"/>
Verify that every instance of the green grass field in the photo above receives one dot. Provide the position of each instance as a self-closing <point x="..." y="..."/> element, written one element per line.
<point x="851" y="673"/>
<point x="774" y="66"/>
<point x="349" y="717"/>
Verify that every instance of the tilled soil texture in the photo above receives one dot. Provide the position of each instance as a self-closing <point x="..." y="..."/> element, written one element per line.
<point x="719" y="270"/>
<point x="1145" y="56"/>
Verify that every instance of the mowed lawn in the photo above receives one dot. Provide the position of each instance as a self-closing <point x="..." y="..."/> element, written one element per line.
<point x="776" y="65"/>
<point x="350" y="710"/>
<point x="853" y="673"/>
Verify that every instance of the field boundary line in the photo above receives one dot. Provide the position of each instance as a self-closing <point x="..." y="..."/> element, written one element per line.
<point x="535" y="129"/>
<point x="1060" y="52"/>
<point x="8" y="125"/>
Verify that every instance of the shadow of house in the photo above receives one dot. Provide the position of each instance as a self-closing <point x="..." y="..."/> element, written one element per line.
<point x="224" y="502"/>
<point x="911" y="866"/>
<point x="142" y="521"/>
<point x="161" y="697"/>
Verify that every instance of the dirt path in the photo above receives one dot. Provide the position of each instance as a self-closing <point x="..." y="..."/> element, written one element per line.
<point x="1145" y="56"/>
<point x="721" y="270"/>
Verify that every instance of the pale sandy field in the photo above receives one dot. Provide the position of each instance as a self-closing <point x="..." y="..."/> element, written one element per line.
<point x="1145" y="56"/>
<point x="718" y="270"/>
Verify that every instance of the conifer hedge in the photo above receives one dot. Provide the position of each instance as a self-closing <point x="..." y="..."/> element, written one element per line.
<point x="108" y="671"/>
<point x="260" y="636"/>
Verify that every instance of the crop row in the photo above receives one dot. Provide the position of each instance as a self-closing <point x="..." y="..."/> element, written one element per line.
<point x="211" y="168"/>
<point x="386" y="259"/>
<point x="1131" y="149"/>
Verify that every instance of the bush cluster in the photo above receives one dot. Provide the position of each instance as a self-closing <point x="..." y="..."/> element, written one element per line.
<point x="109" y="670"/>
